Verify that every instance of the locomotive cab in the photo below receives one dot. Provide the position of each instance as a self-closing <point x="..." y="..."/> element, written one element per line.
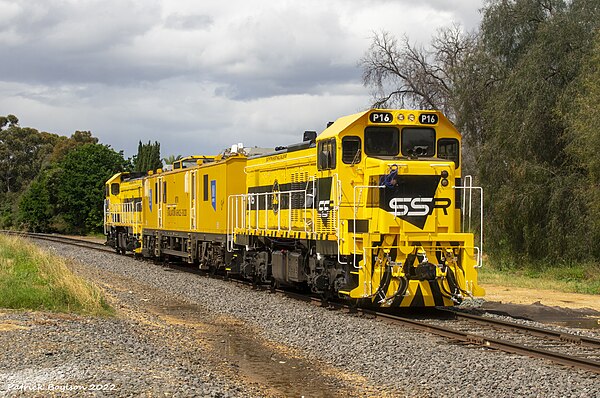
<point x="123" y="212"/>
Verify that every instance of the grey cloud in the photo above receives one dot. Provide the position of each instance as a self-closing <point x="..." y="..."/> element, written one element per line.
<point x="109" y="42"/>
<point x="188" y="22"/>
<point x="196" y="80"/>
<point x="77" y="42"/>
<point x="309" y="78"/>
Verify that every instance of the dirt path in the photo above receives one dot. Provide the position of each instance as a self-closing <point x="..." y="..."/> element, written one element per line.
<point x="519" y="295"/>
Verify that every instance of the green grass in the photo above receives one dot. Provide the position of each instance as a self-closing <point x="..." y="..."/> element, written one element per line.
<point x="96" y="235"/>
<point x="33" y="279"/>
<point x="572" y="278"/>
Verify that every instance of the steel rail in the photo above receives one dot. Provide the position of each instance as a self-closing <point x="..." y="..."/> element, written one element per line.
<point x="502" y="345"/>
<point x="61" y="239"/>
<point x="531" y="330"/>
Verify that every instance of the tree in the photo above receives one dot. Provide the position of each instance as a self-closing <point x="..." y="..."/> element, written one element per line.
<point x="581" y="107"/>
<point x="22" y="153"/>
<point x="446" y="77"/>
<point x="171" y="159"/>
<point x="9" y="120"/>
<point x="64" y="144"/>
<point x="37" y="205"/>
<point x="407" y="75"/>
<point x="537" y="48"/>
<point x="80" y="193"/>
<point x="148" y="157"/>
<point x="504" y="88"/>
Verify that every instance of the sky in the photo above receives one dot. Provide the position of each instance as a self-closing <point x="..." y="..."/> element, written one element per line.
<point x="199" y="76"/>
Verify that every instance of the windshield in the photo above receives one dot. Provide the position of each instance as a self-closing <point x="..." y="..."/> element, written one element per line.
<point x="418" y="141"/>
<point x="382" y="141"/>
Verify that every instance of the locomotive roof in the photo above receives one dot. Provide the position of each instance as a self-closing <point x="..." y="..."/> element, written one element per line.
<point x="127" y="176"/>
<point x="340" y="125"/>
<point x="346" y="121"/>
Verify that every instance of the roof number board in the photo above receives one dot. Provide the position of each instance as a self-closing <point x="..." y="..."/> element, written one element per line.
<point x="428" y="118"/>
<point x="381" y="117"/>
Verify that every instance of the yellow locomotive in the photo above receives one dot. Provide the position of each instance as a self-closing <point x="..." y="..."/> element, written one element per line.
<point x="123" y="211"/>
<point x="368" y="210"/>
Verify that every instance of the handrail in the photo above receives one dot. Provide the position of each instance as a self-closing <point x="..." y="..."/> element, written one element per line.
<point x="106" y="215"/>
<point x="249" y="200"/>
<point x="470" y="189"/>
<point x="122" y="213"/>
<point x="338" y="202"/>
<point x="361" y="187"/>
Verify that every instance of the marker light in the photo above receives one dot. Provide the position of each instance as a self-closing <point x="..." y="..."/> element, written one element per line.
<point x="400" y="117"/>
<point x="444" y="174"/>
<point x="411" y="117"/>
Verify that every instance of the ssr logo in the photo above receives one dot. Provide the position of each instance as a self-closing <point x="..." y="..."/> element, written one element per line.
<point x="418" y="206"/>
<point x="323" y="209"/>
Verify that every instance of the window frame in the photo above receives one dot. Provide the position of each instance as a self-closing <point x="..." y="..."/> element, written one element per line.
<point x="326" y="159"/>
<point x="205" y="187"/>
<point x="114" y="191"/>
<point x="370" y="129"/>
<point x="446" y="141"/>
<point x="431" y="152"/>
<point x="352" y="139"/>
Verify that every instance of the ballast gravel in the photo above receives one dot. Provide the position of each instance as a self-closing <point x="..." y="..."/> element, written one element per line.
<point x="387" y="359"/>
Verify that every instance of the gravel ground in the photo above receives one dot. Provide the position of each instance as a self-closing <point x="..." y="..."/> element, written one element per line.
<point x="52" y="354"/>
<point x="348" y="356"/>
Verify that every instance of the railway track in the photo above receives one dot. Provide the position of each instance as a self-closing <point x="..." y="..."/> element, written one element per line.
<point x="62" y="239"/>
<point x="562" y="348"/>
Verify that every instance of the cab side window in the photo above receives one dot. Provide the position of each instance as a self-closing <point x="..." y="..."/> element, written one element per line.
<point x="326" y="157"/>
<point x="351" y="150"/>
<point x="114" y="188"/>
<point x="448" y="148"/>
<point x="205" y="187"/>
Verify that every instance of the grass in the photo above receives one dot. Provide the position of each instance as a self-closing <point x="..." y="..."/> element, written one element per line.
<point x="571" y="278"/>
<point x="33" y="279"/>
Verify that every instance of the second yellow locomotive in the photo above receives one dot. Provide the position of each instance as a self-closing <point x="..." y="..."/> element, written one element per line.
<point x="368" y="210"/>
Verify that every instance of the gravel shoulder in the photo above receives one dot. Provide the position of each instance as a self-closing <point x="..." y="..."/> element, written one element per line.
<point x="182" y="334"/>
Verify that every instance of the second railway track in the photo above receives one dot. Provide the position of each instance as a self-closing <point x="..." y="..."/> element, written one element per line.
<point x="562" y="348"/>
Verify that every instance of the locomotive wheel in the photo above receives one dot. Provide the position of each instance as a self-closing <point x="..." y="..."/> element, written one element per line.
<point x="274" y="285"/>
<point x="353" y="305"/>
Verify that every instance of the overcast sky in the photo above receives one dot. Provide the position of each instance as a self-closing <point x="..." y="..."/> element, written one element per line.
<point x="198" y="76"/>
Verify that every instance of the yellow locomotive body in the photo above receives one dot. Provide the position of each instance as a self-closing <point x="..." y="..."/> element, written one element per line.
<point x="123" y="211"/>
<point x="184" y="208"/>
<point x="368" y="210"/>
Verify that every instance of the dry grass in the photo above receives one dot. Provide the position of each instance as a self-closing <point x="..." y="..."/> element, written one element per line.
<point x="31" y="278"/>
